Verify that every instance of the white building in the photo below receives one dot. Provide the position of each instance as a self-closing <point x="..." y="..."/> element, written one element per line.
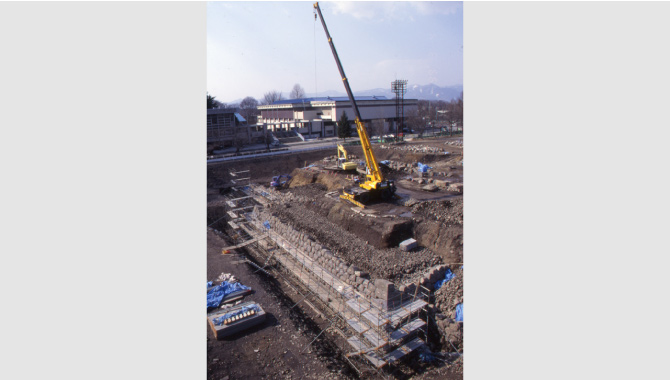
<point x="317" y="117"/>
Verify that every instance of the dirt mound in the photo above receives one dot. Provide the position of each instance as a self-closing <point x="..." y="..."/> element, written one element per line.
<point x="439" y="226"/>
<point x="449" y="212"/>
<point x="332" y="181"/>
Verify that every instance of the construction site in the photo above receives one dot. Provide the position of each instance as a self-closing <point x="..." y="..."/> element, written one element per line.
<point x="351" y="290"/>
<point x="337" y="261"/>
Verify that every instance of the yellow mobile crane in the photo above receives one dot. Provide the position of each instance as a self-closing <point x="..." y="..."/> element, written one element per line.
<point x="343" y="160"/>
<point x="375" y="187"/>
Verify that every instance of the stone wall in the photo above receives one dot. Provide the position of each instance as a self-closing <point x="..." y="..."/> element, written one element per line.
<point x="381" y="292"/>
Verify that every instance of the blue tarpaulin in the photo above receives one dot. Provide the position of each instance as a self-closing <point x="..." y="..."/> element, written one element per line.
<point x="266" y="224"/>
<point x="423" y="168"/>
<point x="219" y="321"/>
<point x="459" y="312"/>
<point x="209" y="284"/>
<point x="447" y="276"/>
<point x="427" y="357"/>
<point x="217" y="293"/>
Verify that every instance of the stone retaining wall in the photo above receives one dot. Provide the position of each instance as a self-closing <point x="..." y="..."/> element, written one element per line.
<point x="382" y="292"/>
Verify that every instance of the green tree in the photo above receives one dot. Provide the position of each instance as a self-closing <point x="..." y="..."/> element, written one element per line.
<point x="211" y="102"/>
<point x="343" y="127"/>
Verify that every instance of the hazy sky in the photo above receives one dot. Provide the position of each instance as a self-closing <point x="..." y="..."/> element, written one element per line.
<point x="256" y="47"/>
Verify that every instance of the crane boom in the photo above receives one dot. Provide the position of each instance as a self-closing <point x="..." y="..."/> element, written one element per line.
<point x="374" y="175"/>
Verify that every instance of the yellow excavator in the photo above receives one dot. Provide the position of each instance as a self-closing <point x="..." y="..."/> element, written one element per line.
<point x="375" y="186"/>
<point x="343" y="160"/>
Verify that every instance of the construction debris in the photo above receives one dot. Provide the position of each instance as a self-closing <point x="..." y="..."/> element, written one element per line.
<point x="225" y="292"/>
<point x="235" y="319"/>
<point x="408" y="245"/>
<point x="227" y="277"/>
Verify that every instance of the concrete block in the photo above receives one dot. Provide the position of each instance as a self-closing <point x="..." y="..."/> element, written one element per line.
<point x="383" y="288"/>
<point x="456" y="187"/>
<point x="441" y="183"/>
<point x="408" y="244"/>
<point x="429" y="187"/>
<point x="360" y="273"/>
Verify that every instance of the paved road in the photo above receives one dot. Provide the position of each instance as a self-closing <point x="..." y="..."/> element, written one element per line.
<point x="302" y="146"/>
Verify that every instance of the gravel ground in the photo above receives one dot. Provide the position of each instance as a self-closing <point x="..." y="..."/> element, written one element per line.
<point x="271" y="350"/>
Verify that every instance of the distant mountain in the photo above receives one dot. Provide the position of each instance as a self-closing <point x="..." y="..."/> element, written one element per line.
<point x="422" y="92"/>
<point x="416" y="91"/>
<point x="433" y="92"/>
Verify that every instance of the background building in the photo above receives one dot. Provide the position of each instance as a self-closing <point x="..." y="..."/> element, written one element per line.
<point x="225" y="126"/>
<point x="317" y="117"/>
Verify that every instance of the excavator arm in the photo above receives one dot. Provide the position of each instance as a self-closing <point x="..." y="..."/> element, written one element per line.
<point x="341" y="152"/>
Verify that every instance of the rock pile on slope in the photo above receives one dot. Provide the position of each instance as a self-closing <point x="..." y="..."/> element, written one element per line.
<point x="415" y="148"/>
<point x="454" y="142"/>
<point x="448" y="212"/>
<point x="446" y="299"/>
<point x="392" y="263"/>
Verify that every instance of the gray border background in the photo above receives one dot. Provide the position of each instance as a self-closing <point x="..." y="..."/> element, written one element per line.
<point x="103" y="196"/>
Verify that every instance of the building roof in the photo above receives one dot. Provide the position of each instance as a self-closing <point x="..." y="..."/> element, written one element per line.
<point x="240" y="118"/>
<point x="216" y="111"/>
<point x="329" y="98"/>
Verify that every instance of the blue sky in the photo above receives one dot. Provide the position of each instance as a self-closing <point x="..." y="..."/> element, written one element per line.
<point x="256" y="47"/>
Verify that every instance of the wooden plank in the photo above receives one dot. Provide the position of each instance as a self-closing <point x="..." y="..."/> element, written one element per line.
<point x="245" y="243"/>
<point x="357" y="344"/>
<point x="358" y="305"/>
<point x="406" y="330"/>
<point x="406" y="310"/>
<point x="403" y="350"/>
<point x="240" y="198"/>
<point x="374" y="319"/>
<point x="357" y="325"/>
<point x="373" y="337"/>
<point x="375" y="360"/>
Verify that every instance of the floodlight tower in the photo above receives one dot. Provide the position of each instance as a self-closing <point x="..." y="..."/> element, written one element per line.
<point x="399" y="87"/>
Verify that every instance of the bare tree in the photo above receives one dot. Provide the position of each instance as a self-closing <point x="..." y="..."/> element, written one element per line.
<point x="248" y="108"/>
<point x="454" y="114"/>
<point x="376" y="126"/>
<point x="298" y="92"/>
<point x="415" y="122"/>
<point x="238" y="143"/>
<point x="267" y="139"/>
<point x="272" y="96"/>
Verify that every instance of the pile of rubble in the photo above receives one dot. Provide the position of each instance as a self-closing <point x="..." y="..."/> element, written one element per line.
<point x="447" y="298"/>
<point x="415" y="148"/>
<point x="448" y="212"/>
<point x="454" y="142"/>
<point x="391" y="263"/>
